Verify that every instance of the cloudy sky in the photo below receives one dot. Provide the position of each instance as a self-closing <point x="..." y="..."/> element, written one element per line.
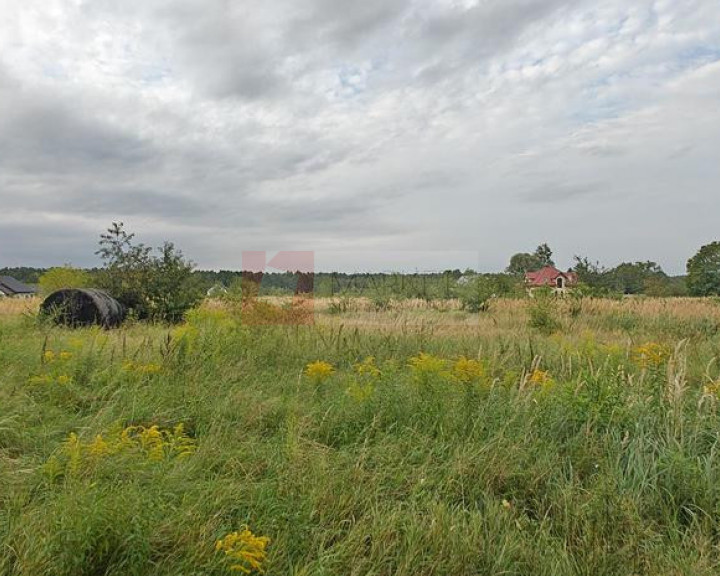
<point x="381" y="133"/>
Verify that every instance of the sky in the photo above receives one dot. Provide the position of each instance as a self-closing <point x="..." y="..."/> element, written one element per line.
<point x="382" y="134"/>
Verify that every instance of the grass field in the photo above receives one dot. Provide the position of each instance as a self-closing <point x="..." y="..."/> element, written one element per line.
<point x="580" y="438"/>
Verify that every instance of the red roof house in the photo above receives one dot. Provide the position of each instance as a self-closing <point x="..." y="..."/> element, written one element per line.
<point x="552" y="278"/>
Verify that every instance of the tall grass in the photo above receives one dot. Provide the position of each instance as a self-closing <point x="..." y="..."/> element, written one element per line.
<point x="475" y="446"/>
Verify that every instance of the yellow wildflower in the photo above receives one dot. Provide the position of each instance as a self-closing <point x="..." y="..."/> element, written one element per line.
<point x="152" y="442"/>
<point x="467" y="370"/>
<point x="99" y="447"/>
<point x="73" y="450"/>
<point x="63" y="379"/>
<point x="540" y="377"/>
<point x="244" y="550"/>
<point x="64" y="355"/>
<point x="651" y="355"/>
<point x="367" y="368"/>
<point x="426" y="364"/>
<point x="319" y="371"/>
<point x="182" y="444"/>
<point x="49" y="356"/>
<point x="158" y="443"/>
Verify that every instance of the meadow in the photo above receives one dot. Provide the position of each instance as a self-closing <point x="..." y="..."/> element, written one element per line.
<point x="573" y="437"/>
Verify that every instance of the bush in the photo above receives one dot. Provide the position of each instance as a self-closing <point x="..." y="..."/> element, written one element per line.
<point x="476" y="292"/>
<point x="543" y="311"/>
<point x="157" y="287"/>
<point x="63" y="277"/>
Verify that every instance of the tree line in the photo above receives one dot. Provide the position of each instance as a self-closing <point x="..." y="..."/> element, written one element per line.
<point x="161" y="284"/>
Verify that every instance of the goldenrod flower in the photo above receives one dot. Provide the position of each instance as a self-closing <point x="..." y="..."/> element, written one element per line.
<point x="244" y="550"/>
<point x="540" y="377"/>
<point x="367" y="368"/>
<point x="182" y="444"/>
<point x="467" y="370"/>
<point x="426" y="364"/>
<point x="319" y="371"/>
<point x="152" y="442"/>
<point x="73" y="450"/>
<point x="651" y="355"/>
<point x="99" y="447"/>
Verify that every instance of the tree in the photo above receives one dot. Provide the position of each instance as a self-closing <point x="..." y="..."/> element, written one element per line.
<point x="524" y="262"/>
<point x="590" y="273"/>
<point x="159" y="287"/>
<point x="703" y="270"/>
<point x="63" y="277"/>
<point x="173" y="288"/>
<point x="633" y="278"/>
<point x="544" y="255"/>
<point x="476" y="292"/>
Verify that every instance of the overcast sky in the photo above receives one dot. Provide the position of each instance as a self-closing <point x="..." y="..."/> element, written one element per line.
<point x="381" y="133"/>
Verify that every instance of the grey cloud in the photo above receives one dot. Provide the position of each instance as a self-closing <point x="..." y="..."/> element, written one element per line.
<point x="340" y="123"/>
<point x="42" y="134"/>
<point x="43" y="243"/>
<point x="558" y="192"/>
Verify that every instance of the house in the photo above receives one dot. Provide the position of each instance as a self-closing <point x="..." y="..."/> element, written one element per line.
<point x="11" y="287"/>
<point x="551" y="277"/>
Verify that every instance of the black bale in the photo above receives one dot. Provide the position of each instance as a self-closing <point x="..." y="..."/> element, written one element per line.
<point x="83" y="307"/>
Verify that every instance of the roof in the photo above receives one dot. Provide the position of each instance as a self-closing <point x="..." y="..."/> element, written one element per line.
<point x="548" y="276"/>
<point x="10" y="286"/>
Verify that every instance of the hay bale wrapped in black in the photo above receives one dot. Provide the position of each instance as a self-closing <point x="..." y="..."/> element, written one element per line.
<point x="83" y="307"/>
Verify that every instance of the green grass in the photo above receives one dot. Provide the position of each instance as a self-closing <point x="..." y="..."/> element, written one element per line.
<point x="608" y="468"/>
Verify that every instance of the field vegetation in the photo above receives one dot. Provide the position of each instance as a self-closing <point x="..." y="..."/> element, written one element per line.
<point x="573" y="436"/>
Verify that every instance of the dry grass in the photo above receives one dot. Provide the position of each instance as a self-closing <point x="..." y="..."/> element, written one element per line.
<point x="610" y="320"/>
<point x="15" y="306"/>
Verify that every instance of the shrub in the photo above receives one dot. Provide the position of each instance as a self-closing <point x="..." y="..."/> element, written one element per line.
<point x="63" y="277"/>
<point x="158" y="287"/>
<point x="543" y="312"/>
<point x="476" y="292"/>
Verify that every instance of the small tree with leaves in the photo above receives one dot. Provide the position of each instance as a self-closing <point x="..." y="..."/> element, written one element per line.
<point x="158" y="287"/>
<point x="543" y="253"/>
